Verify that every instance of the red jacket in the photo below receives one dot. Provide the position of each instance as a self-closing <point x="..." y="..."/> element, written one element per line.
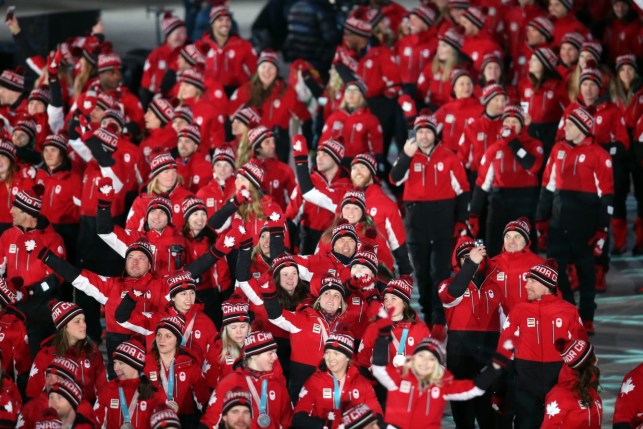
<point x="312" y="268"/>
<point x="476" y="47"/>
<point x="278" y="404"/>
<point x="477" y="309"/>
<point x="92" y="175"/>
<point x="620" y="38"/>
<point x="136" y="216"/>
<point x="215" y="277"/>
<point x="158" y="140"/>
<point x="434" y="88"/>
<point x="564" y="409"/>
<point x="476" y="138"/>
<point x="189" y="384"/>
<point x="414" y="52"/>
<point x="379" y="72"/>
<point x="633" y="110"/>
<point x="14" y="344"/>
<point x="510" y="269"/>
<point x="163" y="259"/>
<point x="253" y="224"/>
<point x="20" y="249"/>
<point x="210" y="117"/>
<point x="408" y="406"/>
<point x="108" y="408"/>
<point x="454" y="116"/>
<point x="10" y="398"/>
<point x="7" y="195"/>
<point x="62" y="198"/>
<point x="214" y="196"/>
<point x="279" y="181"/>
<point x="361" y="131"/>
<point x="109" y="291"/>
<point x="386" y="215"/>
<point x="277" y="110"/>
<point x="435" y="177"/>
<point x="214" y="368"/>
<point x="136" y="167"/>
<point x="546" y="104"/>
<point x="158" y="62"/>
<point x="91" y="369"/>
<point x="501" y="167"/>
<point x="31" y="412"/>
<point x="196" y="171"/>
<point x="126" y="102"/>
<point x="314" y="216"/>
<point x="534" y="327"/>
<point x="395" y="13"/>
<point x="308" y="331"/>
<point x="316" y="397"/>
<point x="417" y="331"/>
<point x="515" y="20"/>
<point x="628" y="410"/>
<point x="568" y="24"/>
<point x="231" y="64"/>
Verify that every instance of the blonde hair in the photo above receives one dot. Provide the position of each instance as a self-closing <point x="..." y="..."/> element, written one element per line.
<point x="255" y="207"/>
<point x="433" y="379"/>
<point x="334" y="84"/>
<point x="81" y="79"/>
<point x="228" y="346"/>
<point x="153" y="187"/>
<point x="573" y="87"/>
<point x="244" y="152"/>
<point x="342" y="308"/>
<point x="447" y="67"/>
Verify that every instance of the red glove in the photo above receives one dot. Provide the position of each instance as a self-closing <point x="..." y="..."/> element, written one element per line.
<point x="504" y="354"/>
<point x="300" y="149"/>
<point x="105" y="192"/>
<point x="474" y="224"/>
<point x="268" y="290"/>
<point x="542" y="231"/>
<point x="53" y="65"/>
<point x="242" y="196"/>
<point x="507" y="133"/>
<point x="244" y="240"/>
<point x="275" y="223"/>
<point x="460" y="229"/>
<point x="360" y="283"/>
<point x="439" y="332"/>
<point x="228" y="241"/>
<point x="85" y="130"/>
<point x="598" y="242"/>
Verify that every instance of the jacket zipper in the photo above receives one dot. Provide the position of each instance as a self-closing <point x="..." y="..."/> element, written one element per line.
<point x="435" y="174"/>
<point x="575" y="162"/>
<point x="423" y="176"/>
<point x="410" y="403"/>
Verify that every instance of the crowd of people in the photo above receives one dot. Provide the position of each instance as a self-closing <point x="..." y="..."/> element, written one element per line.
<point x="236" y="238"/>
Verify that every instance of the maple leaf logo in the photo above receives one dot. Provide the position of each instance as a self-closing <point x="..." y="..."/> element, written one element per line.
<point x="508" y="345"/>
<point x="30" y="245"/>
<point x="275" y="217"/>
<point x="137" y="293"/>
<point x="303" y="392"/>
<point x="228" y="241"/>
<point x="506" y="325"/>
<point x="206" y="366"/>
<point x="245" y="193"/>
<point x="242" y="230"/>
<point x="552" y="409"/>
<point x="34" y="371"/>
<point x="105" y="189"/>
<point x="627" y="386"/>
<point x="213" y="398"/>
<point x="297" y="146"/>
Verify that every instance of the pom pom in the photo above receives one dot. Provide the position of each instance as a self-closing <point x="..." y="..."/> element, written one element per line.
<point x="341" y="221"/>
<point x="19" y="70"/>
<point x="17" y="282"/>
<point x="258" y="325"/>
<point x="425" y="112"/>
<point x="370" y="233"/>
<point x="560" y="345"/>
<point x="340" y="139"/>
<point x="551" y="262"/>
<point x="106" y="48"/>
<point x="113" y="128"/>
<point x="39" y="190"/>
<point x="167" y="15"/>
<point x="366" y="247"/>
<point x="525" y="220"/>
<point x="591" y="64"/>
<point x="52" y="303"/>
<point x="49" y="414"/>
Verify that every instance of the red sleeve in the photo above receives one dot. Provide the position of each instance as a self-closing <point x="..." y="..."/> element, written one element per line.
<point x="446" y="298"/>
<point x="94" y="285"/>
<point x="620" y="132"/>
<point x="212" y="413"/>
<point x="367" y="396"/>
<point x="307" y="395"/>
<point x="375" y="136"/>
<point x="465" y="153"/>
<point x="136" y="215"/>
<point x="365" y="351"/>
<point x="21" y="353"/>
<point x="100" y="375"/>
<point x="148" y="71"/>
<point x="36" y="380"/>
<point x="459" y="181"/>
<point x="555" y="412"/>
<point x="629" y="401"/>
<point x="460" y="390"/>
<point x="394" y="227"/>
<point x="536" y="149"/>
<point x="199" y="386"/>
<point x="604" y="174"/>
<point x="286" y="409"/>
<point x="484" y="180"/>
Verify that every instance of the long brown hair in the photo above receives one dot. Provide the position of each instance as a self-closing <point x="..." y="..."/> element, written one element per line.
<point x="290" y="302"/>
<point x="587" y="376"/>
<point x="259" y="94"/>
<point x="255" y="207"/>
<point x="62" y="346"/>
<point x="86" y="72"/>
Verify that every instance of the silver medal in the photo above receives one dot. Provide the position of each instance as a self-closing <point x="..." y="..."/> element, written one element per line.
<point x="127" y="426"/>
<point x="399" y="360"/>
<point x="263" y="421"/>
<point x="173" y="405"/>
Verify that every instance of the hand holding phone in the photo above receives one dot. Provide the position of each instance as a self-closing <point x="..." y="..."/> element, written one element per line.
<point x="11" y="12"/>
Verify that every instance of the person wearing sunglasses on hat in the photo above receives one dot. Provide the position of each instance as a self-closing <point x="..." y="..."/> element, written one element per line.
<point x="256" y="372"/>
<point x="532" y="329"/>
<point x="474" y="308"/>
<point x="336" y="386"/>
<point x="574" y="401"/>
<point x="419" y="386"/>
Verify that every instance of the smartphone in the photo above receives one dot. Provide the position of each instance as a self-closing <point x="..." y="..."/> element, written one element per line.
<point x="11" y="11"/>
<point x="525" y="107"/>
<point x="479" y="242"/>
<point x="412" y="133"/>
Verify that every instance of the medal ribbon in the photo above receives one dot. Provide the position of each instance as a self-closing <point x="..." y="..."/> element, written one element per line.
<point x="402" y="346"/>
<point x="168" y="384"/>
<point x="263" y="401"/>
<point x="188" y="331"/>
<point x="127" y="411"/>
<point x="337" y="394"/>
